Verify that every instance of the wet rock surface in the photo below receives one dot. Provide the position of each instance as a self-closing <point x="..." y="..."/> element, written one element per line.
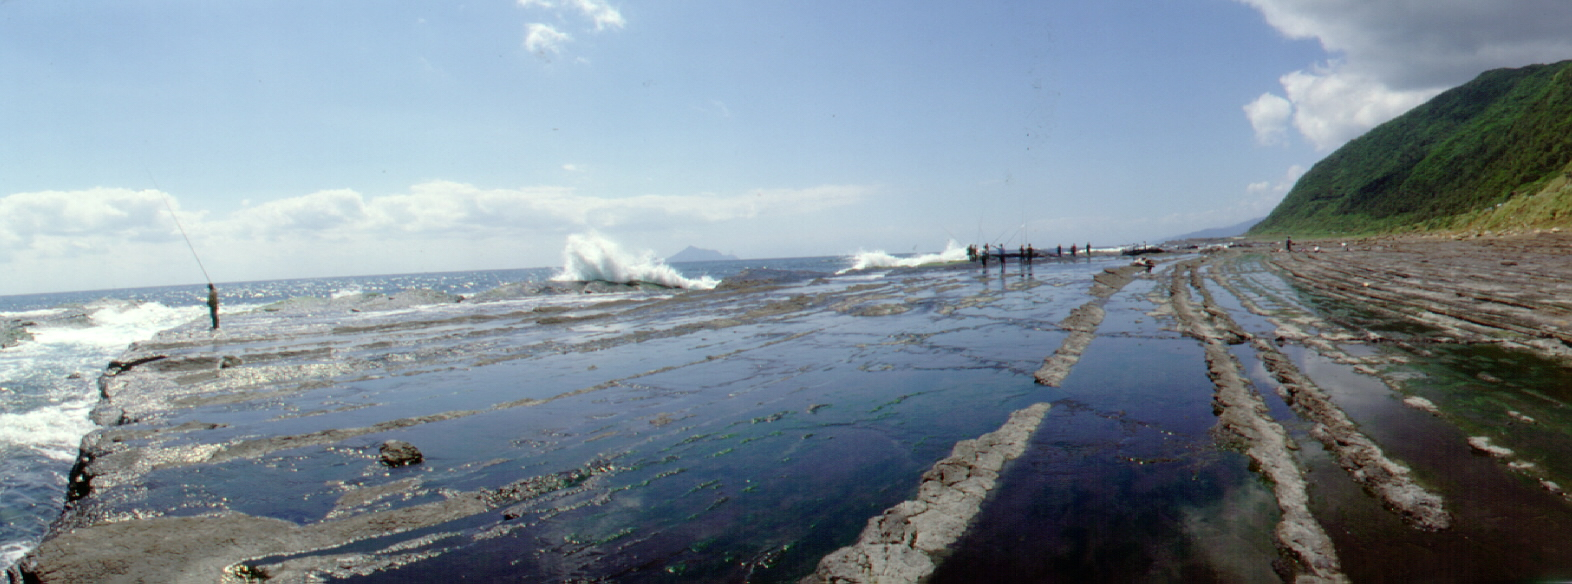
<point x="14" y="331"/>
<point x="1229" y="416"/>
<point x="1244" y="423"/>
<point x="908" y="541"/>
<point x="397" y="453"/>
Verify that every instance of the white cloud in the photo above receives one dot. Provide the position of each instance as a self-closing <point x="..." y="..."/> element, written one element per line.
<point x="601" y="13"/>
<point x="1390" y="55"/>
<point x="58" y="222"/>
<point x="543" y="40"/>
<point x="1269" y="115"/>
<point x="1262" y="197"/>
<point x="548" y="41"/>
<point x="1331" y="107"/>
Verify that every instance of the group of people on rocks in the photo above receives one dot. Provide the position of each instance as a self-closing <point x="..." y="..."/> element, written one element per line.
<point x="1026" y="252"/>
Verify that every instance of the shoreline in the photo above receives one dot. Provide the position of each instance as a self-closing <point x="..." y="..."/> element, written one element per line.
<point x="1267" y="323"/>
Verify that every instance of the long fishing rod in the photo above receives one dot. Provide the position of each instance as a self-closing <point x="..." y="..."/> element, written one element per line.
<point x="1001" y="239"/>
<point x="182" y="228"/>
<point x="949" y="233"/>
<point x="1018" y="231"/>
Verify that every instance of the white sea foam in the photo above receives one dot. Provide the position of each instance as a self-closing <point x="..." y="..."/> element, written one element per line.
<point x="115" y="325"/>
<point x="589" y="256"/>
<point x="863" y="260"/>
<point x="53" y="431"/>
<point x="48" y="388"/>
<point x="12" y="552"/>
<point x="27" y="314"/>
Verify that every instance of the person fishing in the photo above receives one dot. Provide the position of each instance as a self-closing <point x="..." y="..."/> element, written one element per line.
<point x="212" y="304"/>
<point x="212" y="291"/>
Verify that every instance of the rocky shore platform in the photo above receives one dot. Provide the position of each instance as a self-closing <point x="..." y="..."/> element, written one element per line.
<point x="1375" y="411"/>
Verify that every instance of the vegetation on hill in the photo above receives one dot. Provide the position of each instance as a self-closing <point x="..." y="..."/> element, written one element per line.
<point x="1491" y="154"/>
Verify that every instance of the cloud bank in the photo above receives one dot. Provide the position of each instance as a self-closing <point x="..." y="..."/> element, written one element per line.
<point x="442" y="207"/>
<point x="52" y="224"/>
<point x="1391" y="55"/>
<point x="108" y="238"/>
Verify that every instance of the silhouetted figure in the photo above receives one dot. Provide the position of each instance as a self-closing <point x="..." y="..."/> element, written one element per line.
<point x="1072" y="250"/>
<point x="212" y="304"/>
<point x="1289" y="244"/>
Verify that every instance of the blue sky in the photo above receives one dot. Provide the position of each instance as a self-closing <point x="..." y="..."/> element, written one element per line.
<point x="301" y="139"/>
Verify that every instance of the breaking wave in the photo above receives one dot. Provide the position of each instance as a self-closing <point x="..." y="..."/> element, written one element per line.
<point x="590" y="257"/>
<point x="863" y="260"/>
<point x="46" y="392"/>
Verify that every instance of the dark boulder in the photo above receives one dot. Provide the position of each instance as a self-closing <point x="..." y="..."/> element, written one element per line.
<point x="396" y="453"/>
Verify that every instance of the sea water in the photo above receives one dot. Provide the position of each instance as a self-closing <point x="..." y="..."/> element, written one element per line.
<point x="48" y="385"/>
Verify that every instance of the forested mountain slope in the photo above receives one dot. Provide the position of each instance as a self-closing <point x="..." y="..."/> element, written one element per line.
<point x="1491" y="154"/>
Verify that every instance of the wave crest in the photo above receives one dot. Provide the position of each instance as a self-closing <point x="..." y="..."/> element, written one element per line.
<point x="864" y="260"/>
<point x="589" y="257"/>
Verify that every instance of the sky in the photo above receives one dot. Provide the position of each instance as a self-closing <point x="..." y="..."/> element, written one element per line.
<point x="311" y="139"/>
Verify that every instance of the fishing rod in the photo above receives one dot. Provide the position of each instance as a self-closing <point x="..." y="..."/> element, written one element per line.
<point x="182" y="228"/>
<point x="1019" y="232"/>
<point x="1003" y="241"/>
<point x="949" y="233"/>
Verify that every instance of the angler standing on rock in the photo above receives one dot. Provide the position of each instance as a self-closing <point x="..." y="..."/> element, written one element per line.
<point x="212" y="304"/>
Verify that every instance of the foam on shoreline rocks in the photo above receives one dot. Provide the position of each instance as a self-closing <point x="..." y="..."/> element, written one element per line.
<point x="907" y="542"/>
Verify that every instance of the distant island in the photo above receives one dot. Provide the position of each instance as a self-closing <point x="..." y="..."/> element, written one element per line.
<point x="1494" y="154"/>
<point x="696" y="254"/>
<point x="1219" y="232"/>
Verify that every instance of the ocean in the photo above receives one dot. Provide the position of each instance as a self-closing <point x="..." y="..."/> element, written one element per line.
<point x="48" y="383"/>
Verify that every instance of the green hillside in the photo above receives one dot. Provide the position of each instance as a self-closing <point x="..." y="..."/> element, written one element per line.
<point x="1491" y="154"/>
